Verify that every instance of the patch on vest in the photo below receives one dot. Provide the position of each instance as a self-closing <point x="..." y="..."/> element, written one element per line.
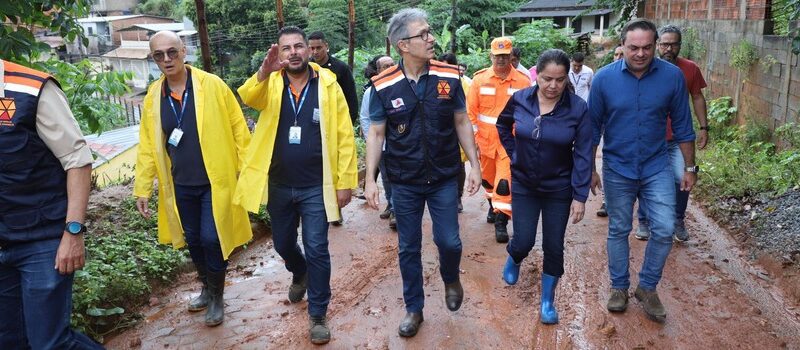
<point x="7" y="109"/>
<point x="444" y="89"/>
<point x="401" y="128"/>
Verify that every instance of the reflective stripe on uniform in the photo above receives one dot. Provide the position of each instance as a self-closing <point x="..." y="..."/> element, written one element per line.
<point x="501" y="206"/>
<point x="487" y="119"/>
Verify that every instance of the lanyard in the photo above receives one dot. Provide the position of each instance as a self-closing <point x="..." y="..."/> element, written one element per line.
<point x="179" y="117"/>
<point x="296" y="107"/>
<point x="578" y="79"/>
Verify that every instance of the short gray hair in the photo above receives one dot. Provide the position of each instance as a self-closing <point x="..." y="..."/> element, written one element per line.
<point x="670" y="28"/>
<point x="398" y="25"/>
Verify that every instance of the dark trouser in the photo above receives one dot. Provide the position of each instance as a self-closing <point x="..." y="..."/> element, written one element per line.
<point x="409" y="205"/>
<point x="199" y="228"/>
<point x="286" y="207"/>
<point x="462" y="178"/>
<point x="554" y="209"/>
<point x="35" y="300"/>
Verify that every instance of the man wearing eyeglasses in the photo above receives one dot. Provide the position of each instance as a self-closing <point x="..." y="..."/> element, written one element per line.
<point x="418" y="108"/>
<point x="192" y="138"/>
<point x="302" y="163"/>
<point x="669" y="46"/>
<point x="493" y="87"/>
<point x="629" y="103"/>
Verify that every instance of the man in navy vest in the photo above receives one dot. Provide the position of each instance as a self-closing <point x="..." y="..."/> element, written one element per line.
<point x="45" y="177"/>
<point x="419" y="109"/>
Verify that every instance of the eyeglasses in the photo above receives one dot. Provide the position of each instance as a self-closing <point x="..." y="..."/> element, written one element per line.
<point x="424" y="35"/>
<point x="537" y="127"/>
<point x="668" y="45"/>
<point x="159" y="56"/>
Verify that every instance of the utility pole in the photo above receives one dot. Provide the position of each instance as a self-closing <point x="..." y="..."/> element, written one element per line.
<point x="279" y="9"/>
<point x="453" y="23"/>
<point x="351" y="7"/>
<point x="203" y="29"/>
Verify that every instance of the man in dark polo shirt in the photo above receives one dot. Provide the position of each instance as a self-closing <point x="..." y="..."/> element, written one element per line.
<point x="303" y="155"/>
<point x="418" y="107"/>
<point x="344" y="76"/>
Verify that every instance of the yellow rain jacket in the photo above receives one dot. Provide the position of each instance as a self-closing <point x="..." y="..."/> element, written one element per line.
<point x="223" y="137"/>
<point x="338" y="163"/>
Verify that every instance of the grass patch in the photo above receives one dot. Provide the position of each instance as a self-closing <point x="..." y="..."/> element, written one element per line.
<point x="124" y="263"/>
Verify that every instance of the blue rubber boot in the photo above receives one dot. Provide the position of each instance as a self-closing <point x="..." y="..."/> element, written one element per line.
<point x="548" y="314"/>
<point x="511" y="271"/>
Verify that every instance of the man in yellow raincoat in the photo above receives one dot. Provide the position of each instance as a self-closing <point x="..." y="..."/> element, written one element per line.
<point x="192" y="138"/>
<point x="302" y="163"/>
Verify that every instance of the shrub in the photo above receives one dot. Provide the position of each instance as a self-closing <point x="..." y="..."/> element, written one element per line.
<point x="538" y="36"/>
<point x="124" y="259"/>
<point x="743" y="55"/>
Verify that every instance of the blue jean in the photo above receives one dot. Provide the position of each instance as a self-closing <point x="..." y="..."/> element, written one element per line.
<point x="658" y="191"/>
<point x="681" y="197"/>
<point x="199" y="228"/>
<point x="287" y="206"/>
<point x="554" y="209"/>
<point x="409" y="205"/>
<point x="35" y="300"/>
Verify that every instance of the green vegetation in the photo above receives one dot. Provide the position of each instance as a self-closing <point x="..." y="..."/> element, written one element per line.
<point x="741" y="161"/>
<point x="124" y="262"/>
<point x="692" y="46"/>
<point x="163" y="8"/>
<point x="538" y="36"/>
<point x="743" y="55"/>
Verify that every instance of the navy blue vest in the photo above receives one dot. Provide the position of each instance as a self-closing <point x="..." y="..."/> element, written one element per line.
<point x="33" y="192"/>
<point x="421" y="140"/>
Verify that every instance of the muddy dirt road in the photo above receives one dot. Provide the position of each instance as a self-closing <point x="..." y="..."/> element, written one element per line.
<point x="715" y="297"/>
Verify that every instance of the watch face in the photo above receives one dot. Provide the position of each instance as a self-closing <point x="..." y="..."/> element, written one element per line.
<point x="74" y="227"/>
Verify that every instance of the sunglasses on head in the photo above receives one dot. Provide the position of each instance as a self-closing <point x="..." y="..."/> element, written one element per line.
<point x="159" y="56"/>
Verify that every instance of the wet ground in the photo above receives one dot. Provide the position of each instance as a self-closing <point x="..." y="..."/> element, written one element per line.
<point x="715" y="297"/>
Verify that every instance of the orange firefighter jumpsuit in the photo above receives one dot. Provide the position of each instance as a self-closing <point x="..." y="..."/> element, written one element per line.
<point x="486" y="99"/>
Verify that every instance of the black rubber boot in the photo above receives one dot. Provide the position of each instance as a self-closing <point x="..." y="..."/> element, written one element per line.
<point x="501" y="228"/>
<point x="200" y="303"/>
<point x="216" y="306"/>
<point x="491" y="216"/>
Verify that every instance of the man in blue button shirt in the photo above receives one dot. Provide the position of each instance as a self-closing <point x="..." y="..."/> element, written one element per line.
<point x="629" y="102"/>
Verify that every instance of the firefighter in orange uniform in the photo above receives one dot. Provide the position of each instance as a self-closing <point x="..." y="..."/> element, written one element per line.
<point x="491" y="89"/>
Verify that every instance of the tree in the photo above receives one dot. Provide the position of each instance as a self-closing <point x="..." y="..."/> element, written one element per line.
<point x="479" y="14"/>
<point x="60" y="16"/>
<point x="536" y="37"/>
<point x="163" y="8"/>
<point x="329" y="17"/>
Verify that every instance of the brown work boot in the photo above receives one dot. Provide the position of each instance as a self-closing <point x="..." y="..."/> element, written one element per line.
<point x="651" y="303"/>
<point x="618" y="300"/>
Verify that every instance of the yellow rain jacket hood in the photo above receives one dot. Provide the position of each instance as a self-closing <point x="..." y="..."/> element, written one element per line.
<point x="223" y="137"/>
<point x="338" y="163"/>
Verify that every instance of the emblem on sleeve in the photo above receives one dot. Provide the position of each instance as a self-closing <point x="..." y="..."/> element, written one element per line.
<point x="7" y="110"/>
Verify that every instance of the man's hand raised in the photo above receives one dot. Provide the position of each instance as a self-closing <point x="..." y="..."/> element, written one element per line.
<point x="271" y="63"/>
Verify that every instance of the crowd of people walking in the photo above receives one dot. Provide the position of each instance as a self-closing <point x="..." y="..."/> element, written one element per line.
<point x="526" y="137"/>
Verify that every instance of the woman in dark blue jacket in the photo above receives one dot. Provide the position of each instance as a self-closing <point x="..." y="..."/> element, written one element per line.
<point x="546" y="131"/>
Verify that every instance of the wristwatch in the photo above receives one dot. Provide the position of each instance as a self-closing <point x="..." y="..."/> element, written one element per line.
<point x="692" y="169"/>
<point x="75" y="228"/>
<point x="706" y="128"/>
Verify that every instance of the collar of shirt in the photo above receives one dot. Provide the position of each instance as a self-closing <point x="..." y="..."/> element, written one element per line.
<point x="652" y="67"/>
<point x="313" y="75"/>
<point x="424" y="72"/>
<point x="562" y="101"/>
<point x="513" y="74"/>
<point x="167" y="92"/>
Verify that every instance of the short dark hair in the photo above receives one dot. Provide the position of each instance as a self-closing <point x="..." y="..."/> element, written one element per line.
<point x="670" y="28"/>
<point x="317" y="36"/>
<point x="515" y="52"/>
<point x="448" y="57"/>
<point x="292" y="30"/>
<point x="371" y="69"/>
<point x="578" y="57"/>
<point x="638" y="23"/>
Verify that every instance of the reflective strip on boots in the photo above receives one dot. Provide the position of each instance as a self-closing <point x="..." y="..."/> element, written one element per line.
<point x="548" y="313"/>
<point x="216" y="306"/>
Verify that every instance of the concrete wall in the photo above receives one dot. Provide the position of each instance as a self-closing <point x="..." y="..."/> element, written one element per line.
<point x="769" y="94"/>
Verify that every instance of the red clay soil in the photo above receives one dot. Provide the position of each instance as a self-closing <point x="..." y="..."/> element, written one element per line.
<point x="715" y="297"/>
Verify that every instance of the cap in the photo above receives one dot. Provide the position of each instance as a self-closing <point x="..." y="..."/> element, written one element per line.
<point x="501" y="46"/>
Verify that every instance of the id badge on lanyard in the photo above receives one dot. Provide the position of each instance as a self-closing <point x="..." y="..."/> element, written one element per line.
<point x="295" y="132"/>
<point x="177" y="133"/>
